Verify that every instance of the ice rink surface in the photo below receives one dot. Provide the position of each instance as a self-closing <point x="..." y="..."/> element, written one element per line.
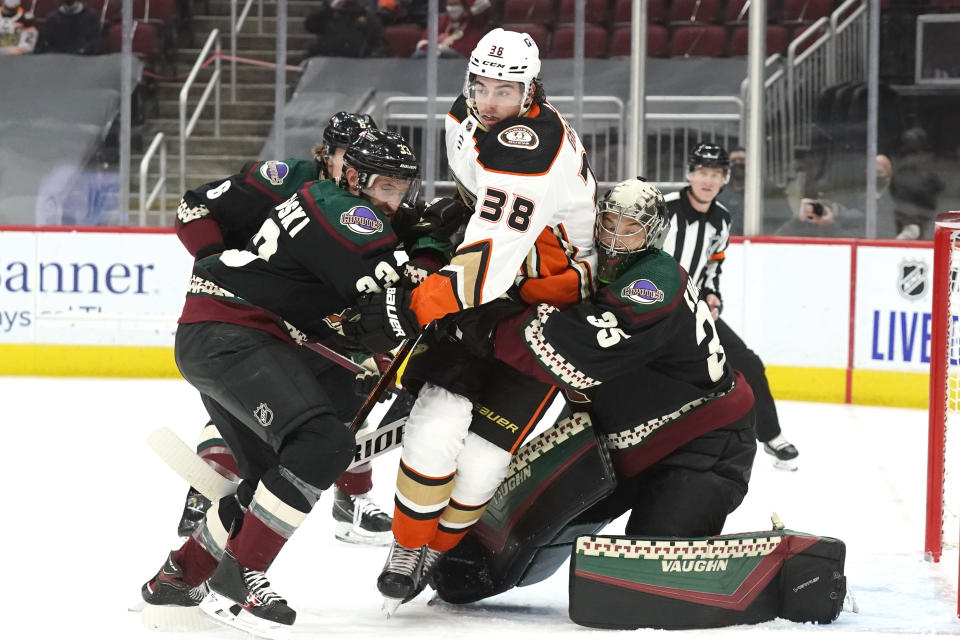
<point x="92" y="513"/>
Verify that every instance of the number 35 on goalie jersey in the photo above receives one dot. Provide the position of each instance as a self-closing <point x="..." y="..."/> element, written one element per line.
<point x="532" y="225"/>
<point x="650" y="321"/>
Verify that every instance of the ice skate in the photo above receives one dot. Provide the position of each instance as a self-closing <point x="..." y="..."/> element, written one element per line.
<point x="428" y="564"/>
<point x="194" y="508"/>
<point x="169" y="603"/>
<point x="360" y="521"/>
<point x="242" y="598"/>
<point x="784" y="453"/>
<point x="167" y="588"/>
<point x="398" y="580"/>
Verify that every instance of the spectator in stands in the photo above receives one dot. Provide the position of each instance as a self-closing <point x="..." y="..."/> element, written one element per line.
<point x="72" y="28"/>
<point x="821" y="217"/>
<point x="732" y="194"/>
<point x="18" y="35"/>
<point x="459" y="29"/>
<point x="915" y="186"/>
<point x="346" y="29"/>
<point x="393" y="12"/>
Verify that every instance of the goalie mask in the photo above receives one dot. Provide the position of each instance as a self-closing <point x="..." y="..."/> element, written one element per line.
<point x="631" y="218"/>
<point x="508" y="57"/>
<point x="377" y="153"/>
<point x="342" y="129"/>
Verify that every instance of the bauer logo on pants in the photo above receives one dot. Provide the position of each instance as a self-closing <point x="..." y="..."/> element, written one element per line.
<point x="263" y="414"/>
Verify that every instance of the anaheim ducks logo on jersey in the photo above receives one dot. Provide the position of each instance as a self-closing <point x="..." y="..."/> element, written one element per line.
<point x="643" y="292"/>
<point x="274" y="171"/>
<point x="520" y="137"/>
<point x="362" y="220"/>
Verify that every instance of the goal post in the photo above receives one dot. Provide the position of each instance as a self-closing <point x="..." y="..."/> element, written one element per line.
<point x="942" y="523"/>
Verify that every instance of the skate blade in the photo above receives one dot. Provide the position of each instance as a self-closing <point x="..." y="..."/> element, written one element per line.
<point x="220" y="609"/>
<point x="785" y="465"/>
<point x="345" y="532"/>
<point x="173" y="618"/>
<point x="390" y="606"/>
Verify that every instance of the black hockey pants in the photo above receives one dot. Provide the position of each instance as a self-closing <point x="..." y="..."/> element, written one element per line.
<point x="749" y="364"/>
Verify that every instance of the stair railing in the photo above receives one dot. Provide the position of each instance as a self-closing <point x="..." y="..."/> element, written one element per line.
<point x="160" y="144"/>
<point x="213" y="85"/>
<point x="235" y="26"/>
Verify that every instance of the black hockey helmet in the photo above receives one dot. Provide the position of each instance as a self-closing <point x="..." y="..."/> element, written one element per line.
<point x="708" y="154"/>
<point x="629" y="208"/>
<point x="344" y="128"/>
<point x="383" y="153"/>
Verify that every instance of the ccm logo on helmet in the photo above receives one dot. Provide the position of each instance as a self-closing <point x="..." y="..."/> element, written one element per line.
<point x="498" y="65"/>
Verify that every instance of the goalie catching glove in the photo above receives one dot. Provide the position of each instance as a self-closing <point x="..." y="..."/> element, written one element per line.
<point x="381" y="321"/>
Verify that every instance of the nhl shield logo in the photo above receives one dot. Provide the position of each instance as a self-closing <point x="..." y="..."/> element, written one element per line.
<point x="263" y="414"/>
<point x="912" y="280"/>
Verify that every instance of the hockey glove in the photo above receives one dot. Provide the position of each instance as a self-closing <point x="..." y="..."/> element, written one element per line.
<point x="441" y="218"/>
<point x="374" y="367"/>
<point x="380" y="321"/>
<point x="475" y="327"/>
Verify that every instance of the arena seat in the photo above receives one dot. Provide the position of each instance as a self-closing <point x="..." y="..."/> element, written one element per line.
<point x="776" y="40"/>
<point x="537" y="32"/>
<point x="595" y="12"/>
<point x="656" y="41"/>
<point x="527" y="11"/>
<point x="695" y="11"/>
<point x="702" y="41"/>
<point x="656" y="12"/>
<point x="402" y="39"/>
<point x="594" y="42"/>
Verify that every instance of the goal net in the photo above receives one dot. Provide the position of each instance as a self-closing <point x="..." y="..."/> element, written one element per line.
<point x="943" y="482"/>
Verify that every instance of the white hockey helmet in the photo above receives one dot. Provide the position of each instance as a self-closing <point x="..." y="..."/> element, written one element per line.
<point x="618" y="241"/>
<point x="504" y="55"/>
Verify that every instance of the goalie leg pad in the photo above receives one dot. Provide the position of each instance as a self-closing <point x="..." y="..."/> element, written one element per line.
<point x="677" y="583"/>
<point x="552" y="479"/>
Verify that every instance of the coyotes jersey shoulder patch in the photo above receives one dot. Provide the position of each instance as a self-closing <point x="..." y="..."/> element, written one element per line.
<point x="352" y="221"/>
<point x="281" y="179"/>
<point x="654" y="281"/>
<point x="523" y="146"/>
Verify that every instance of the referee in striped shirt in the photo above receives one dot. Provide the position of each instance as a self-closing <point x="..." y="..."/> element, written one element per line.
<point x="697" y="238"/>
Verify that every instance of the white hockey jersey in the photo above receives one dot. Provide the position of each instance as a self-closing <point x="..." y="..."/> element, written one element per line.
<point x="531" y="232"/>
<point x="18" y="35"/>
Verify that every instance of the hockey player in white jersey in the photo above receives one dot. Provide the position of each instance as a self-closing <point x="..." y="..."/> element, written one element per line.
<point x="524" y="172"/>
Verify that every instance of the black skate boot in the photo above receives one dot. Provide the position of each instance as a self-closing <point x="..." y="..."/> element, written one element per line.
<point x="242" y="598"/>
<point x="398" y="580"/>
<point x="784" y="453"/>
<point x="428" y="564"/>
<point x="194" y="508"/>
<point x="167" y="588"/>
<point x="359" y="520"/>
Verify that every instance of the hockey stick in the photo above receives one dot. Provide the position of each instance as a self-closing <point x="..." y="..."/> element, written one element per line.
<point x="201" y="476"/>
<point x="386" y="380"/>
<point x="188" y="465"/>
<point x="332" y="355"/>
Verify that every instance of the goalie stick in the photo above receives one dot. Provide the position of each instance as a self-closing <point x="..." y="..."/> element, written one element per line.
<point x="201" y="476"/>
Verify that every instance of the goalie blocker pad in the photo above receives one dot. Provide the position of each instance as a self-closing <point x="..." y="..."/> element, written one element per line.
<point x="524" y="537"/>
<point x="674" y="583"/>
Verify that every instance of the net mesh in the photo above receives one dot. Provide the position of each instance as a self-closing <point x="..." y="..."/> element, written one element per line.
<point x="951" y="436"/>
